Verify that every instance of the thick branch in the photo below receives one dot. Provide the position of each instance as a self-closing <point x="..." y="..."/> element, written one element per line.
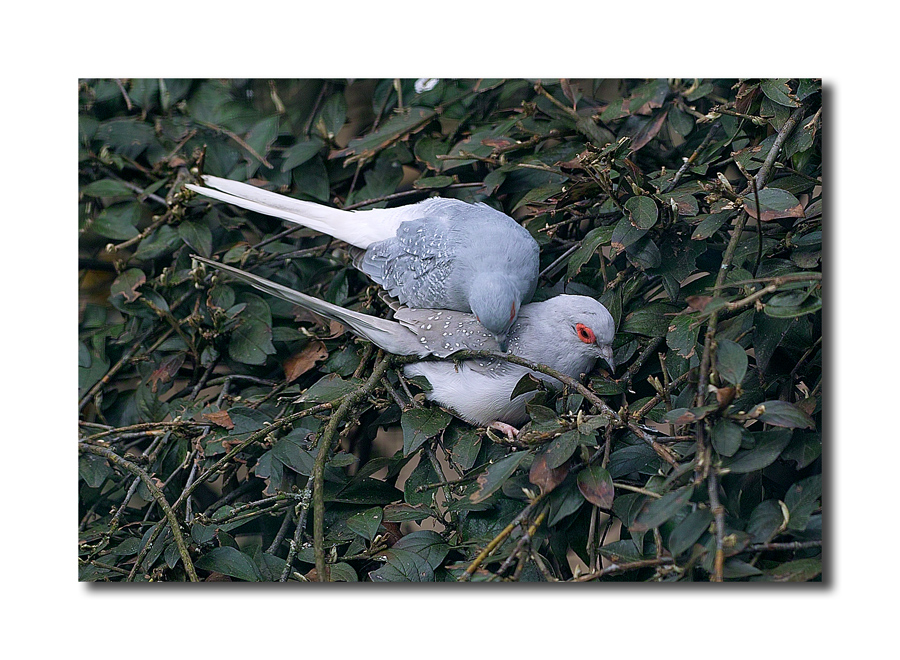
<point x="322" y="457"/>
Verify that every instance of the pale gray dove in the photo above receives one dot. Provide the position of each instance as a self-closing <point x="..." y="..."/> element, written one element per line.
<point x="567" y="333"/>
<point x="437" y="254"/>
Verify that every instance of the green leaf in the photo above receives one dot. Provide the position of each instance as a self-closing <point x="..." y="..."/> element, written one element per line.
<point x="768" y="334"/>
<point x="403" y="566"/>
<point x="774" y="203"/>
<point x="682" y="335"/>
<point x="197" y="235"/>
<point x="633" y="458"/>
<point x="710" y="225"/>
<point x="801" y="500"/>
<point x="562" y="448"/>
<point x="397" y="126"/>
<point x="809" y="306"/>
<point x="231" y="562"/>
<point x="650" y="321"/>
<point x="734" y="568"/>
<point x="766" y="519"/>
<point x="329" y="388"/>
<point x="731" y="361"/>
<point x="689" y="530"/>
<point x="161" y="242"/>
<point x="624" y="234"/>
<point x="419" y="424"/>
<point x="342" y="572"/>
<point x="93" y="470"/>
<point x="426" y="543"/>
<point x="431" y="182"/>
<point x="589" y="244"/>
<point x="527" y="383"/>
<point x="495" y="475"/>
<point x="656" y="512"/>
<point x="642" y="211"/>
<point x="251" y="340"/>
<point x="465" y="449"/>
<point x="769" y="445"/>
<point x="726" y="437"/>
<point x="799" y="570"/>
<point x="596" y="485"/>
<point x="333" y="115"/>
<point x="699" y="92"/>
<point x="782" y="413"/>
<point x="262" y="135"/>
<point x="804" y="449"/>
<point x="621" y="551"/>
<point x="644" y="254"/>
<point x="366" y="523"/>
<point x="563" y="502"/>
<point x="300" y="153"/>
<point x="118" y="221"/>
<point x="778" y="91"/>
<point x="107" y="188"/>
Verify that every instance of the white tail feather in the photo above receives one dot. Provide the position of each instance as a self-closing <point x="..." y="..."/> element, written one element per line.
<point x="359" y="228"/>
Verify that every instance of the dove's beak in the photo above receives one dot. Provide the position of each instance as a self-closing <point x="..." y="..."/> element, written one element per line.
<point x="504" y="343"/>
<point x="607" y="354"/>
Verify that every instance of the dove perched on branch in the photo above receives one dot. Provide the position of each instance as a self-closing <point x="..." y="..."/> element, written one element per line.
<point x="567" y="333"/>
<point x="437" y="254"/>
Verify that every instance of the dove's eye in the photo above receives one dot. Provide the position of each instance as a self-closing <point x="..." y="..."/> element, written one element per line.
<point x="585" y="334"/>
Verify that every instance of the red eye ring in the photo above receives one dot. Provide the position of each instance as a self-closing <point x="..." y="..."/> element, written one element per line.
<point x="585" y="334"/>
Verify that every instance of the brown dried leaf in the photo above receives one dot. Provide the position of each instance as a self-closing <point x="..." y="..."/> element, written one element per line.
<point x="166" y="370"/>
<point x="546" y="478"/>
<point x="649" y="131"/>
<point x="698" y="303"/>
<point x="807" y="405"/>
<point x="335" y="329"/>
<point x="299" y="363"/>
<point x="219" y="418"/>
<point x="217" y="577"/>
<point x="745" y="96"/>
<point x="127" y="284"/>
<point x="596" y="485"/>
<point x="498" y="142"/>
<point x="724" y="396"/>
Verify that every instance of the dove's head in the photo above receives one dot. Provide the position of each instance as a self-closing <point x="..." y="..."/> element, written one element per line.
<point x="577" y="326"/>
<point x="495" y="301"/>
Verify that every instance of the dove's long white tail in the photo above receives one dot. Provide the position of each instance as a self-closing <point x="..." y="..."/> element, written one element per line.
<point x="389" y="335"/>
<point x="359" y="228"/>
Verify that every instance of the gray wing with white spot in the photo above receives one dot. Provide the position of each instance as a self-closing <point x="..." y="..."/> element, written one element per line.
<point x="444" y="332"/>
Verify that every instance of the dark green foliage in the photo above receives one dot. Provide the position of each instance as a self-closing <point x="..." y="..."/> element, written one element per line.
<point x="223" y="404"/>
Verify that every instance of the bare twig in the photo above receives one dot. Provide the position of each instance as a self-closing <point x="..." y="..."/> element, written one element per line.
<point x="118" y="461"/>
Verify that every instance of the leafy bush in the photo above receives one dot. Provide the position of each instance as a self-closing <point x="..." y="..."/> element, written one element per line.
<point x="226" y="435"/>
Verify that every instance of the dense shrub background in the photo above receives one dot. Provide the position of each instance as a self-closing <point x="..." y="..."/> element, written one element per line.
<point x="203" y="405"/>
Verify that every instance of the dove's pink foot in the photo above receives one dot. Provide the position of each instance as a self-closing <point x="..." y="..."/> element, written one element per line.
<point x="509" y="431"/>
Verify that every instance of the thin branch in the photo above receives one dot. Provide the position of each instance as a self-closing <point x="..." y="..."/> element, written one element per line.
<point x="765" y="172"/>
<point x="118" y="461"/>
